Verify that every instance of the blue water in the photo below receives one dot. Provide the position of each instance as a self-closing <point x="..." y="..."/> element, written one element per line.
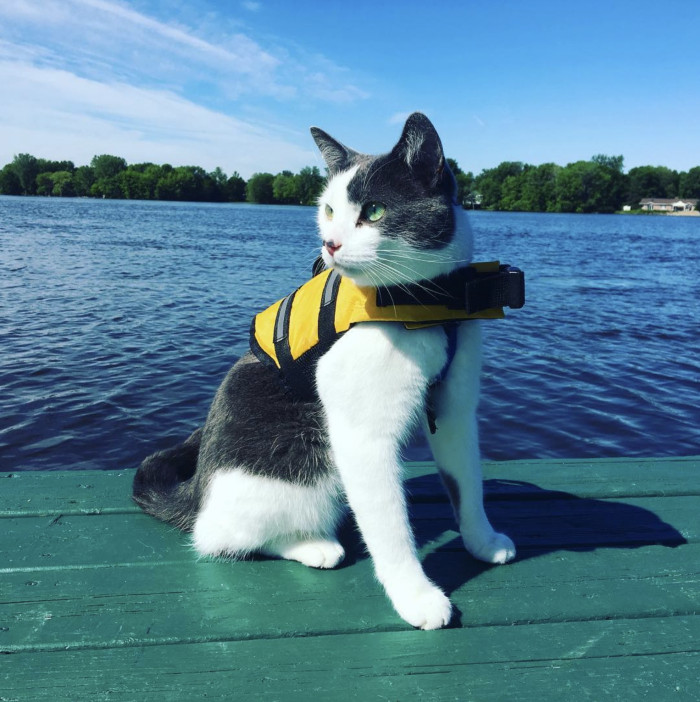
<point x="118" y="320"/>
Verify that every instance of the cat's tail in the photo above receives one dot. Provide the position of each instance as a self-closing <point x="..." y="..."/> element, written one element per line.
<point x="163" y="486"/>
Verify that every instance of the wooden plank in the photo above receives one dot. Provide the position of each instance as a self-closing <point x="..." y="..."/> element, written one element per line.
<point x="138" y="538"/>
<point x="35" y="493"/>
<point x="597" y="478"/>
<point x="651" y="659"/>
<point x="43" y="493"/>
<point x="218" y="601"/>
<point x="57" y="542"/>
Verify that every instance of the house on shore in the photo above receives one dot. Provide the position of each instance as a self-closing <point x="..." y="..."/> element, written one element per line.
<point x="668" y="204"/>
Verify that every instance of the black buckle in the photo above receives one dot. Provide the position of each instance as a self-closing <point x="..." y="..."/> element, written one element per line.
<point x="502" y="288"/>
<point x="515" y="285"/>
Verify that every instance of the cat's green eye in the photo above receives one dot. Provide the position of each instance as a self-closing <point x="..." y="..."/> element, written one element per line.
<point x="329" y="212"/>
<point x="373" y="211"/>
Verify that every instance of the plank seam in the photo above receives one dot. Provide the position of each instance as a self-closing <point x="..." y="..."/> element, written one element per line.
<point x="136" y="643"/>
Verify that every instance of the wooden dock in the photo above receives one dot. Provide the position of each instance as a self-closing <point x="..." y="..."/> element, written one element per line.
<point x="101" y="602"/>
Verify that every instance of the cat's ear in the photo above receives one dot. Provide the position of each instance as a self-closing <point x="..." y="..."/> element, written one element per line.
<point x="421" y="149"/>
<point x="337" y="156"/>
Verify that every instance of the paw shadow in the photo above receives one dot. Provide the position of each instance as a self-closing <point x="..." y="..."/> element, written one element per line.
<point x="539" y="521"/>
<point x="349" y="536"/>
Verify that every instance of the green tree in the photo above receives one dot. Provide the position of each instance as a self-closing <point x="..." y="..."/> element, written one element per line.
<point x="539" y="188"/>
<point x="511" y="193"/>
<point x="490" y="182"/>
<point x="152" y="173"/>
<point x="9" y="181"/>
<point x="651" y="181"/>
<point x="465" y="181"/>
<point x="47" y="166"/>
<point x="235" y="188"/>
<point x="106" y="170"/>
<point x="187" y="183"/>
<point x="178" y="184"/>
<point x="690" y="183"/>
<point x="218" y="177"/>
<point x="26" y="167"/>
<point x="135" y="184"/>
<point x="309" y="185"/>
<point x="106" y="166"/>
<point x="611" y="199"/>
<point x="259" y="188"/>
<point x="109" y="188"/>
<point x="44" y="184"/>
<point x="584" y="186"/>
<point x="465" y="186"/>
<point x="63" y="184"/>
<point x="83" y="180"/>
<point x="285" y="188"/>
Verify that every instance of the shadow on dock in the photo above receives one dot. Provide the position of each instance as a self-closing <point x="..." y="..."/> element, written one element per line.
<point x="539" y="521"/>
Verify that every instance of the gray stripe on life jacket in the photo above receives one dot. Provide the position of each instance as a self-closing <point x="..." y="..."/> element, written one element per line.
<point x="329" y="288"/>
<point x="282" y="314"/>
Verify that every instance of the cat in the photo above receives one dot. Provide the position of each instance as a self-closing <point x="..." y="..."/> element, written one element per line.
<point x="272" y="474"/>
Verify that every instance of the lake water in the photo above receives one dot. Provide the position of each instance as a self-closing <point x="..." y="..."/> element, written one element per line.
<point x="118" y="320"/>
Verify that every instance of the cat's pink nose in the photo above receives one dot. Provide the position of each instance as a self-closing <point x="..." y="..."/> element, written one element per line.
<point x="331" y="246"/>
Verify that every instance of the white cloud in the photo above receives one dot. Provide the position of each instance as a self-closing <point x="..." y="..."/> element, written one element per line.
<point x="81" y="77"/>
<point x="102" y="38"/>
<point x="56" y="114"/>
<point x="243" y="55"/>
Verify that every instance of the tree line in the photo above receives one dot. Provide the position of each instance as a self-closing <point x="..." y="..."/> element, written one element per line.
<point x="597" y="185"/>
<point x="111" y="177"/>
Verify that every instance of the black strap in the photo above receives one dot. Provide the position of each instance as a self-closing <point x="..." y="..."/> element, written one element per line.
<point x="318" y="266"/>
<point x="464" y="289"/>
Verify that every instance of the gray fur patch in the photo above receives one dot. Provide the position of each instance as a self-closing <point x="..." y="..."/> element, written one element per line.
<point x="421" y="216"/>
<point x="255" y="425"/>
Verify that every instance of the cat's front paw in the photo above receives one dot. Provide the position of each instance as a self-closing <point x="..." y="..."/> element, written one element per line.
<point x="495" y="548"/>
<point x="424" y="607"/>
<point x="315" y="553"/>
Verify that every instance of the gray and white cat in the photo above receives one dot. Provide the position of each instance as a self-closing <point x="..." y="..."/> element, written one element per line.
<point x="272" y="474"/>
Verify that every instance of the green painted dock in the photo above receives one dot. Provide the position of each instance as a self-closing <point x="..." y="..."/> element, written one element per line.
<point x="101" y="602"/>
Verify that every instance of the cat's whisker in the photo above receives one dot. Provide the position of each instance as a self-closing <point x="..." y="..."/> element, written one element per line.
<point x="430" y="287"/>
<point x="427" y="257"/>
<point x="401" y="285"/>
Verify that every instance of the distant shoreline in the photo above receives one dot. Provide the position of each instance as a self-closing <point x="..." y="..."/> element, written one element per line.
<point x="598" y="185"/>
<point x="643" y="213"/>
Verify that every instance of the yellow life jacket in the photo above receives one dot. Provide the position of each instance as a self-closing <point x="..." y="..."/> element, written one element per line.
<point x="296" y="331"/>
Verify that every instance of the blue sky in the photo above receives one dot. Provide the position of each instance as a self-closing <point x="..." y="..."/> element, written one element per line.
<point x="237" y="84"/>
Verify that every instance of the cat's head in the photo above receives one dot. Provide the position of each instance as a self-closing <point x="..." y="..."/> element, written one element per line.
<point x="391" y="219"/>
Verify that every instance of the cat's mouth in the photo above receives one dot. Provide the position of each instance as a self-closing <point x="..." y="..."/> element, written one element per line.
<point x="357" y="272"/>
<point x="346" y="269"/>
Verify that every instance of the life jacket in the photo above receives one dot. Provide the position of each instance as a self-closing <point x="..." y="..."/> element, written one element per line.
<point x="297" y="330"/>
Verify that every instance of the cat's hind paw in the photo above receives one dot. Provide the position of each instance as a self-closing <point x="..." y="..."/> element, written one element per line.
<point x="315" y="553"/>
<point x="496" y="548"/>
<point x="426" y="607"/>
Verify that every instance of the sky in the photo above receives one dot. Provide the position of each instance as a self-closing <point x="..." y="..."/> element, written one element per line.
<point x="237" y="84"/>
